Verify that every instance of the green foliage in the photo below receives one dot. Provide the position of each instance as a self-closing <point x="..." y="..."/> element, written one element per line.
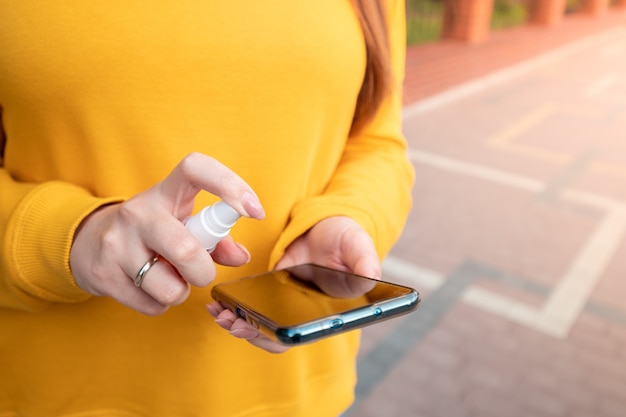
<point x="572" y="6"/>
<point x="507" y="13"/>
<point x="424" y="20"/>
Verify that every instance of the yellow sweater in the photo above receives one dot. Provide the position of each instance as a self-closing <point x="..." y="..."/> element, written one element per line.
<point x="100" y="100"/>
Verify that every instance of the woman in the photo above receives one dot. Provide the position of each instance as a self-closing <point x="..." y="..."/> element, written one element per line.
<point x="119" y="121"/>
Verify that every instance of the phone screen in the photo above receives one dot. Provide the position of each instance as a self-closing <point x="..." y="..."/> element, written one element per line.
<point x="307" y="302"/>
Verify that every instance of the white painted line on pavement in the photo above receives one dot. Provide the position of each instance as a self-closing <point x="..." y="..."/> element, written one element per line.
<point x="523" y="124"/>
<point x="568" y="298"/>
<point x="499" y="77"/>
<point x="476" y="171"/>
<point x="613" y="50"/>
<point x="501" y="305"/>
<point x="594" y="200"/>
<point x="571" y="292"/>
<point x="505" y="139"/>
<point x="406" y="273"/>
<point x="601" y="85"/>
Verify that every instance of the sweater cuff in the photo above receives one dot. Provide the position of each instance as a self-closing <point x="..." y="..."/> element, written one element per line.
<point x="307" y="215"/>
<point x="40" y="236"/>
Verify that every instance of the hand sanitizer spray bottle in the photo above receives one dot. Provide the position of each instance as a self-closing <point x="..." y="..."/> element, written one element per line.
<point x="212" y="224"/>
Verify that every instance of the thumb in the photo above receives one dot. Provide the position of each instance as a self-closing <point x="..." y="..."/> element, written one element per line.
<point x="361" y="255"/>
<point x="198" y="172"/>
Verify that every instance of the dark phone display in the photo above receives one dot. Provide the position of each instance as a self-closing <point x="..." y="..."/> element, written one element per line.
<point x="312" y="300"/>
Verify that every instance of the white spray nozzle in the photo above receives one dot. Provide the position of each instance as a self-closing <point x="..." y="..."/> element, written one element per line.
<point x="212" y="224"/>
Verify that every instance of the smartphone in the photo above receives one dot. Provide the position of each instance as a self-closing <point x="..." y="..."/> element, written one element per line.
<point x="305" y="303"/>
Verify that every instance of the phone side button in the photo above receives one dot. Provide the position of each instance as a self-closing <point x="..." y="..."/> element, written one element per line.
<point x="336" y="323"/>
<point x="241" y="313"/>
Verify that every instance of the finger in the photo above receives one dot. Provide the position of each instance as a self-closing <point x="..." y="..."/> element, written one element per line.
<point x="161" y="282"/>
<point x="360" y="254"/>
<point x="368" y="266"/>
<point x="147" y="229"/>
<point x="215" y="308"/>
<point x="241" y="329"/>
<point x="171" y="239"/>
<point x="165" y="285"/>
<point x="141" y="301"/>
<point x="200" y="172"/>
<point x="122" y="288"/>
<point x="225" y="319"/>
<point x="229" y="253"/>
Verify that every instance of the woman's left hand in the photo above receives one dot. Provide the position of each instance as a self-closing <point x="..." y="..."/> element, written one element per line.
<point x="336" y="242"/>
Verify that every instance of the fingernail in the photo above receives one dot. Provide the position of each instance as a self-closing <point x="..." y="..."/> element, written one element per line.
<point x="245" y="250"/>
<point x="212" y="310"/>
<point x="244" y="333"/>
<point x="224" y="323"/>
<point x="252" y="205"/>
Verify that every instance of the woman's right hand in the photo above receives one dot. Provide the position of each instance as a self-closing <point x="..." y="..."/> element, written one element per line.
<point x="114" y="242"/>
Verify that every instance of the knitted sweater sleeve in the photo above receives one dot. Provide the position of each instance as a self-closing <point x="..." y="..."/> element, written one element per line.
<point x="37" y="225"/>
<point x="373" y="181"/>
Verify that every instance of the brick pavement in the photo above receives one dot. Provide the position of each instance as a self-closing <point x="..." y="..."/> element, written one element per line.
<point x="516" y="242"/>
<point x="432" y="68"/>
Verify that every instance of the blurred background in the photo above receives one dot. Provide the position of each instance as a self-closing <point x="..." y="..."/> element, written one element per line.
<point x="515" y="114"/>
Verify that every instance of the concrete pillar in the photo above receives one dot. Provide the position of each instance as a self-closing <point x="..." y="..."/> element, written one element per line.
<point x="595" y="7"/>
<point x="546" y="12"/>
<point x="467" y="20"/>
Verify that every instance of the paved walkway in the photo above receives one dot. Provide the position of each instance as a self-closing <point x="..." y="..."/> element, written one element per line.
<point x="516" y="242"/>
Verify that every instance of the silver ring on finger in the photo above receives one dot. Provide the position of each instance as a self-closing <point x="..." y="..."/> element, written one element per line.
<point x="144" y="270"/>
